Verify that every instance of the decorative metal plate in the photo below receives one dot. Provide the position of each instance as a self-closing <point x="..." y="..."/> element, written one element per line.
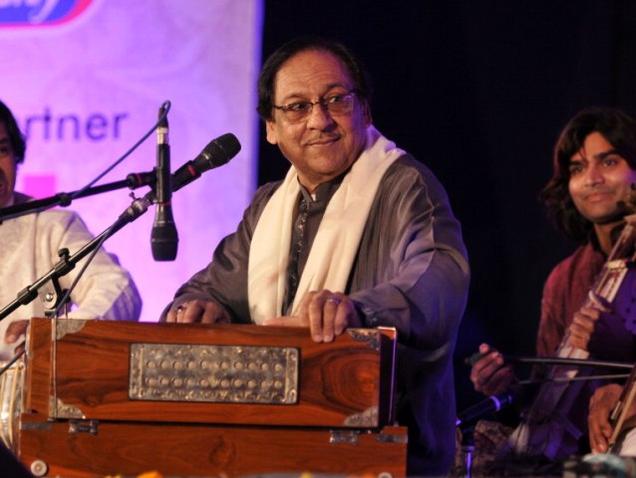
<point x="68" y="326"/>
<point x="59" y="409"/>
<point x="369" y="336"/>
<point x="214" y="373"/>
<point x="368" y="418"/>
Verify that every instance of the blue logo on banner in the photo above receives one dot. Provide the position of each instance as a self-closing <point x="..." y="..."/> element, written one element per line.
<point x="21" y="13"/>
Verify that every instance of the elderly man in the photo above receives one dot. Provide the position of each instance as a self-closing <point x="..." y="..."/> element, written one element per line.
<point x="358" y="234"/>
<point x="28" y="249"/>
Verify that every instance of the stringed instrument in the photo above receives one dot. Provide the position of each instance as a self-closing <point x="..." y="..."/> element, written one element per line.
<point x="618" y="417"/>
<point x="553" y="426"/>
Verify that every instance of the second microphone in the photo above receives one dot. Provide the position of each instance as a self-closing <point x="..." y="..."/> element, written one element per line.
<point x="164" y="239"/>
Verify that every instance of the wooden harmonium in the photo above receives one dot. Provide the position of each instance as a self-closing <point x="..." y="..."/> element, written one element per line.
<point x="231" y="374"/>
<point x="208" y="399"/>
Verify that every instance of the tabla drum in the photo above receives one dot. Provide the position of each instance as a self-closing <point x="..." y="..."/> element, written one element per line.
<point x="11" y="384"/>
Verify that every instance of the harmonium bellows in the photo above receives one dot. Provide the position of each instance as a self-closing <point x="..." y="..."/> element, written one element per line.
<point x="104" y="397"/>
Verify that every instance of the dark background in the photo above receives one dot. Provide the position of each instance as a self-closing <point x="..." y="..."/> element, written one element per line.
<point x="479" y="90"/>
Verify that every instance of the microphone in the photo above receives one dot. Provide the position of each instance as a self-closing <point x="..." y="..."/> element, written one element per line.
<point x="492" y="404"/>
<point x="218" y="152"/>
<point x="164" y="238"/>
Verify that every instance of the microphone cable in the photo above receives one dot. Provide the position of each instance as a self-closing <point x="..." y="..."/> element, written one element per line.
<point x="166" y="108"/>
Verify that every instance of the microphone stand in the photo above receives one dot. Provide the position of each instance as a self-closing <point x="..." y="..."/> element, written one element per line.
<point x="67" y="261"/>
<point x="132" y="181"/>
<point x="467" y="451"/>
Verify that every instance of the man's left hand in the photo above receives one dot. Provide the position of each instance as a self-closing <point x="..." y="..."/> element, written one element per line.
<point x="582" y="327"/>
<point x="326" y="313"/>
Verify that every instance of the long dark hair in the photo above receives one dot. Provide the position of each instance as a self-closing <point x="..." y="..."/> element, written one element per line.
<point x="18" y="145"/>
<point x="618" y="129"/>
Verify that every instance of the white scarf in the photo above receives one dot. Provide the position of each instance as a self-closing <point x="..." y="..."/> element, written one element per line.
<point x="337" y="240"/>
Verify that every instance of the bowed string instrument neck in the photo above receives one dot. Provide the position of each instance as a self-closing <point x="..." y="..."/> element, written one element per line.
<point x="551" y="427"/>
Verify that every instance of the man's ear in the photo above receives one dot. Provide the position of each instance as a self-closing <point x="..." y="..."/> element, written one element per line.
<point x="270" y="132"/>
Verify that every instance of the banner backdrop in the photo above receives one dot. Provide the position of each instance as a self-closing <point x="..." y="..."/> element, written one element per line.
<point x="85" y="79"/>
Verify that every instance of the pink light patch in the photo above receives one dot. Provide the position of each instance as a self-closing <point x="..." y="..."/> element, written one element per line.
<point x="39" y="186"/>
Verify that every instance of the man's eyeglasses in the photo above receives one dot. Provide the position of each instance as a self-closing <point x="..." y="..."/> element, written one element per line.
<point x="335" y="104"/>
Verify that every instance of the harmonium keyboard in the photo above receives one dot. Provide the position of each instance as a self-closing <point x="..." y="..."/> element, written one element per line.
<point x="95" y="398"/>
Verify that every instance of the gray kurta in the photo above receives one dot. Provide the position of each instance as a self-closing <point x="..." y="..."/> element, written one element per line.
<point x="411" y="272"/>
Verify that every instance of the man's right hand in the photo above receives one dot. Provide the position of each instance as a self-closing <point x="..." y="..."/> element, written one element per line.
<point x="201" y="311"/>
<point x="602" y="403"/>
<point x="489" y="374"/>
<point x="15" y="331"/>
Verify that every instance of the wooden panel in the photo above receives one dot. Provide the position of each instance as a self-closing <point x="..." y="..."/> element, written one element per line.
<point x="339" y="381"/>
<point x="388" y="377"/>
<point x="189" y="450"/>
<point x="38" y="372"/>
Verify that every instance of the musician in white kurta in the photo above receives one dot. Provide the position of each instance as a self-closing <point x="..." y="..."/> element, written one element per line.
<point x="29" y="248"/>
